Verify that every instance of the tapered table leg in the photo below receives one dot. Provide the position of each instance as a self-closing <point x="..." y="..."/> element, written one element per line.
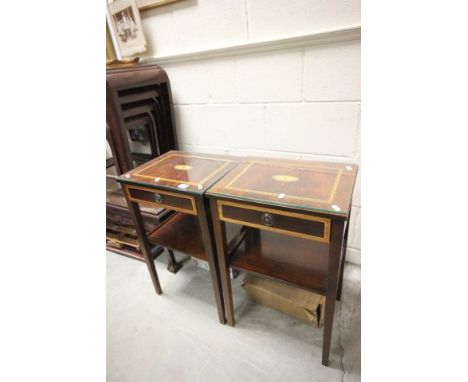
<point x="219" y="228"/>
<point x="135" y="212"/>
<point x="343" y="258"/>
<point x="207" y="236"/>
<point x="336" y="244"/>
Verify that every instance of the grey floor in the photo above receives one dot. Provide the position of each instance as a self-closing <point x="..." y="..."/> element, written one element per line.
<point x="177" y="336"/>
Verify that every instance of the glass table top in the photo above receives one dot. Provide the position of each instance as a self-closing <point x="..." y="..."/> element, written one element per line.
<point x="309" y="185"/>
<point x="182" y="171"/>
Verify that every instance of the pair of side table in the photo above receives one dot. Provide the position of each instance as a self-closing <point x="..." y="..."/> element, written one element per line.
<point x="282" y="219"/>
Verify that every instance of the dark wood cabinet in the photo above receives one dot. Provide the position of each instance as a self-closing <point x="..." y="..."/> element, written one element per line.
<point x="178" y="181"/>
<point x="295" y="218"/>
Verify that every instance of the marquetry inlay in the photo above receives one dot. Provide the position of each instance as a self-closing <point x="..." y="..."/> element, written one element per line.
<point x="285" y="178"/>
<point x="337" y="173"/>
<point x="183" y="167"/>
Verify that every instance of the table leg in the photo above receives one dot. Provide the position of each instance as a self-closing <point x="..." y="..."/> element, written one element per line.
<point x="135" y="212"/>
<point x="206" y="231"/>
<point x="219" y="228"/>
<point x="343" y="259"/>
<point x="336" y="242"/>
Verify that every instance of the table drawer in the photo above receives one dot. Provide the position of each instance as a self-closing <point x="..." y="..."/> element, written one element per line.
<point x="288" y="223"/>
<point x="166" y="199"/>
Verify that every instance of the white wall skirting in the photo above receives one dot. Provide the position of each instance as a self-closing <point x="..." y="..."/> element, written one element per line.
<point x="324" y="37"/>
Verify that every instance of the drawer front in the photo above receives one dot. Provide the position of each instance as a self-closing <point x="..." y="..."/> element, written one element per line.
<point x="166" y="199"/>
<point x="289" y="223"/>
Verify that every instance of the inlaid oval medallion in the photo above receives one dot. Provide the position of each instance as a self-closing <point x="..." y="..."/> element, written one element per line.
<point x="182" y="167"/>
<point x="285" y="178"/>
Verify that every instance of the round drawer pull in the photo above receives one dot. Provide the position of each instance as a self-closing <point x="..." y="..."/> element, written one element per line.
<point x="158" y="198"/>
<point x="267" y="219"/>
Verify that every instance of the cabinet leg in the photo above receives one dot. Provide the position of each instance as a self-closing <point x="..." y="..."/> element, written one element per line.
<point x="340" y="281"/>
<point x="219" y="228"/>
<point x="227" y="292"/>
<point x="336" y="245"/>
<point x="154" y="276"/>
<point x="173" y="265"/>
<point x="134" y="209"/>
<point x="343" y="259"/>
<point x="328" y="326"/>
<point x="207" y="236"/>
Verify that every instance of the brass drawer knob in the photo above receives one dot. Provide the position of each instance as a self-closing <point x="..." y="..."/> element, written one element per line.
<point x="267" y="219"/>
<point x="158" y="198"/>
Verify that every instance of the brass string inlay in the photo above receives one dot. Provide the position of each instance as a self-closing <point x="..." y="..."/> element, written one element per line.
<point x="193" y="211"/>
<point x="325" y="221"/>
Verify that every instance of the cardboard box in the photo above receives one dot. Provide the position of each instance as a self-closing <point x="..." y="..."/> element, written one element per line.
<point x="299" y="303"/>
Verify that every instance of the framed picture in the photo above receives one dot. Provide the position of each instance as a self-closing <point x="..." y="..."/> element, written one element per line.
<point x="148" y="4"/>
<point x="111" y="54"/>
<point x="127" y="30"/>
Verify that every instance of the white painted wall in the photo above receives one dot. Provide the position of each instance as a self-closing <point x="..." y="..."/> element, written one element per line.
<point x="276" y="99"/>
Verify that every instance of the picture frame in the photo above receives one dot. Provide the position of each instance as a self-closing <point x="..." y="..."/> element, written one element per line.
<point x="125" y="28"/>
<point x="111" y="53"/>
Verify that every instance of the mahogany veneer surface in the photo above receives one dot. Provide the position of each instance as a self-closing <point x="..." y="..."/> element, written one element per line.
<point x="306" y="185"/>
<point x="181" y="171"/>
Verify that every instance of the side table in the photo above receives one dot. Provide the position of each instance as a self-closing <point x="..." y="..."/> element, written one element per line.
<point x="296" y="219"/>
<point x="177" y="181"/>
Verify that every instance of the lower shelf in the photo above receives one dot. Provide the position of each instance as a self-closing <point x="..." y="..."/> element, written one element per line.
<point x="296" y="261"/>
<point x="181" y="232"/>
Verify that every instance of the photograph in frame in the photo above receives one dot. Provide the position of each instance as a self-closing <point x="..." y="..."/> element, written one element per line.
<point x="127" y="27"/>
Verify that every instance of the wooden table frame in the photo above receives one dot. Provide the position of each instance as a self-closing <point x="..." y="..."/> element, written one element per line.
<point x="178" y="181"/>
<point x="204" y="220"/>
<point x="336" y="252"/>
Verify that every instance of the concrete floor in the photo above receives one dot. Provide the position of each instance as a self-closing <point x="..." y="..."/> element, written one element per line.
<point x="177" y="336"/>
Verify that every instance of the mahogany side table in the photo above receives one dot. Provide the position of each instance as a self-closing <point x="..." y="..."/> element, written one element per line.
<point x="177" y="181"/>
<point x="295" y="216"/>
